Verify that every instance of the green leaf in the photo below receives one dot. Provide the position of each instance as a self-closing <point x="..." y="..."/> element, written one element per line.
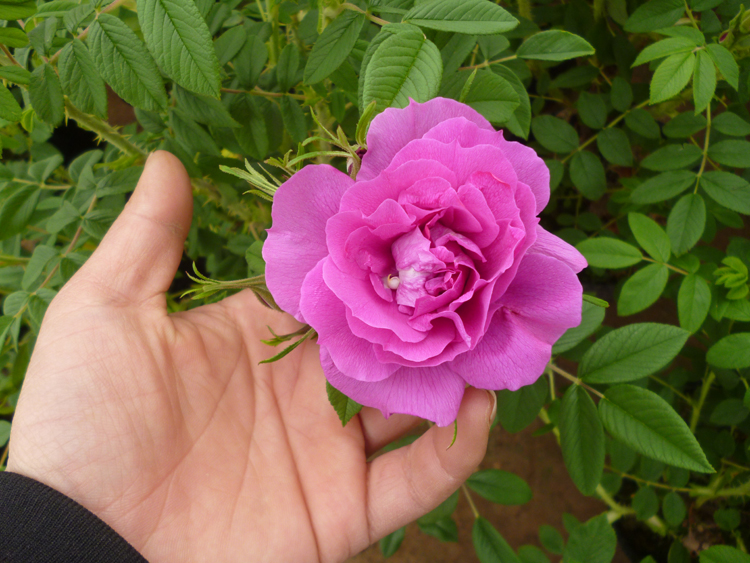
<point x="655" y="14"/>
<point x="230" y="43"/>
<point x="390" y="543"/>
<point x="179" y="39"/>
<point x="645" y="503"/>
<point x="532" y="554"/>
<point x="604" y="252"/>
<point x="663" y="186"/>
<point x="126" y="65"/>
<point x="286" y="69"/>
<point x="251" y="61"/>
<point x="686" y="223"/>
<point x="693" y="302"/>
<point x="17" y="10"/>
<point x="642" y="122"/>
<point x="345" y="407"/>
<point x="17" y="210"/>
<point x="334" y="45"/>
<point x="732" y="153"/>
<point x="684" y="125"/>
<point x="671" y="76"/>
<point x="704" y="81"/>
<point x="15" y="74"/>
<point x="13" y="37"/>
<point x="673" y="508"/>
<point x="728" y="518"/>
<point x="650" y="236"/>
<point x="551" y="539"/>
<point x="621" y="95"/>
<point x="588" y="175"/>
<point x="664" y="48"/>
<point x="46" y="95"/>
<point x="592" y="542"/>
<point x="191" y="135"/>
<point x="648" y="424"/>
<point x="473" y="17"/>
<point x="444" y="529"/>
<point x="726" y="63"/>
<point x="581" y="439"/>
<point x="723" y="554"/>
<point x="253" y="135"/>
<point x="730" y="123"/>
<point x="455" y="51"/>
<point x="294" y="119"/>
<point x="80" y="79"/>
<point x="591" y="318"/>
<point x="517" y="409"/>
<point x="492" y="96"/>
<point x="592" y="109"/>
<point x="520" y="122"/>
<point x="500" y="487"/>
<point x="9" y="108"/>
<point x="727" y="189"/>
<point x="405" y="65"/>
<point x="614" y="145"/>
<point x="39" y="259"/>
<point x="731" y="352"/>
<point x="642" y="289"/>
<point x="554" y="45"/>
<point x="631" y="352"/>
<point x="554" y="134"/>
<point x="729" y="412"/>
<point x="385" y="32"/>
<point x="490" y="546"/>
<point x="56" y="8"/>
<point x="204" y="109"/>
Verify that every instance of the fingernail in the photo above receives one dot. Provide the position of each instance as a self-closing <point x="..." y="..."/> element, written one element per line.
<point x="492" y="407"/>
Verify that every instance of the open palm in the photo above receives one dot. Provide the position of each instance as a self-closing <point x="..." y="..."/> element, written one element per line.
<point x="166" y="427"/>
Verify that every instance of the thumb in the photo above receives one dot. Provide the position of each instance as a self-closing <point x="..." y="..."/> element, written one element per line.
<point x="408" y="482"/>
<point x="139" y="255"/>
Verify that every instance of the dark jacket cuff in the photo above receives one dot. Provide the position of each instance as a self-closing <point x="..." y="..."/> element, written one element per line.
<point x="39" y="524"/>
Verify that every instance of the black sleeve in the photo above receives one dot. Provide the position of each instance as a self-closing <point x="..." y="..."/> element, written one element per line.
<point x="40" y="525"/>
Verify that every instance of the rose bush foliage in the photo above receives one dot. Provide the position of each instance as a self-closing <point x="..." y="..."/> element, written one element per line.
<point x="430" y="270"/>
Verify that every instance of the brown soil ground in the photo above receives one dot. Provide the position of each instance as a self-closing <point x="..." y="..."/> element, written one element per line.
<point x="539" y="461"/>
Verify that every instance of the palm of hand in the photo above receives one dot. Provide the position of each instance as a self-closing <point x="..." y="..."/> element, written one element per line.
<point x="168" y="429"/>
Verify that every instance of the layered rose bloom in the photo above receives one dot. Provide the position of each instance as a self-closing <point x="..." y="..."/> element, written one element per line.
<point x="430" y="271"/>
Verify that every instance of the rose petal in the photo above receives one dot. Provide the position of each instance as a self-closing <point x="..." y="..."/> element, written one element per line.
<point x="296" y="242"/>
<point x="550" y="245"/>
<point x="433" y="393"/>
<point x="508" y="357"/>
<point x="365" y="197"/>
<point x="394" y="128"/>
<point x="327" y="315"/>
<point x="462" y="161"/>
<point x="358" y="295"/>
<point x="546" y="296"/>
<point x="530" y="169"/>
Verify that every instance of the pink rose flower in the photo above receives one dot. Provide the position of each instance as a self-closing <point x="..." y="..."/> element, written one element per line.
<point x="430" y="271"/>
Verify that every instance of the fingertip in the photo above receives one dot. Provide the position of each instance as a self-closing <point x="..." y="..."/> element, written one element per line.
<point x="471" y="434"/>
<point x="163" y="191"/>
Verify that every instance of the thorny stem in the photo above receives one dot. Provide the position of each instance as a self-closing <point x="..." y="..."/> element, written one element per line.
<point x="705" y="149"/>
<point x="5" y="454"/>
<point x="373" y="19"/>
<point x="674" y="390"/>
<point x="489" y="63"/>
<point x="646" y="482"/>
<point x="575" y="380"/>
<point x="678" y="270"/>
<point x="612" y="123"/>
<point x="473" y="506"/>
<point x="10" y="56"/>
<point x="690" y="15"/>
<point x="259" y="92"/>
<point x="103" y="129"/>
<point x="702" y="399"/>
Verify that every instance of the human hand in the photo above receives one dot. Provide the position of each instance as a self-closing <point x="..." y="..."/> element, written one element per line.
<point x="166" y="427"/>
